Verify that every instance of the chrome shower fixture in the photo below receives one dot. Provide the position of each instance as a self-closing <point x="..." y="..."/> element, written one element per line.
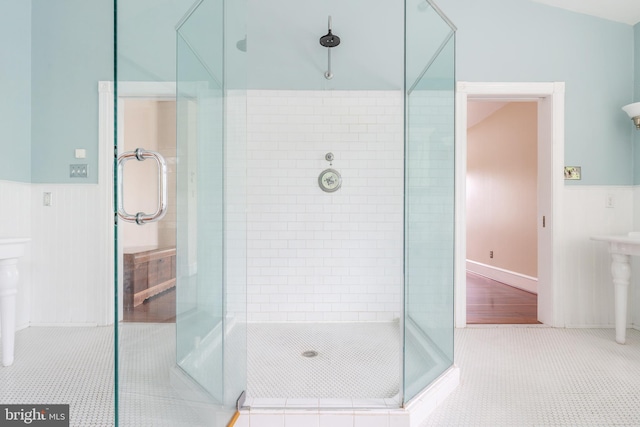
<point x="329" y="41"/>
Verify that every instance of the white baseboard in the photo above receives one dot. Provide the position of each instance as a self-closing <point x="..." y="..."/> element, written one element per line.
<point x="65" y="325"/>
<point x="511" y="278"/>
<point x="595" y="326"/>
<point x="20" y="327"/>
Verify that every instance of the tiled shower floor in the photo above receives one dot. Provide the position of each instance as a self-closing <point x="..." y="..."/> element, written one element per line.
<point x="354" y="360"/>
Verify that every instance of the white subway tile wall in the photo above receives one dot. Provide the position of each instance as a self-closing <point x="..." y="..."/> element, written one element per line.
<point x="235" y="233"/>
<point x="235" y="237"/>
<point x="316" y="256"/>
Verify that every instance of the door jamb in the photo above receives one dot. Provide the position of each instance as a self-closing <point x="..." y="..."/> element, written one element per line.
<point x="551" y="133"/>
<point x="139" y="90"/>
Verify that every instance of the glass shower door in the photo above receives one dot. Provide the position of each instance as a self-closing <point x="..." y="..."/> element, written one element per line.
<point x="429" y="196"/>
<point x="190" y="370"/>
<point x="57" y="309"/>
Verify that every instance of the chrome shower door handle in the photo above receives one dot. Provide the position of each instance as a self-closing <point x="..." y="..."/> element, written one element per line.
<point x="140" y="218"/>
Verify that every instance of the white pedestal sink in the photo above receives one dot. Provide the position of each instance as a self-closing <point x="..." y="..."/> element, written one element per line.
<point x="10" y="250"/>
<point x="621" y="248"/>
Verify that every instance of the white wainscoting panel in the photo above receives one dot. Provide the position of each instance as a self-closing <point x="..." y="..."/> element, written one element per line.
<point x="586" y="287"/>
<point x="15" y="214"/>
<point x="70" y="255"/>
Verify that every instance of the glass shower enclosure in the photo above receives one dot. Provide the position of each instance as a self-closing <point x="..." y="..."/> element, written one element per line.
<point x="211" y="298"/>
<point x="429" y="96"/>
<point x="255" y="276"/>
<point x="267" y="265"/>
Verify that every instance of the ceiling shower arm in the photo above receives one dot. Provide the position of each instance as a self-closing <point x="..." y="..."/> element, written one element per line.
<point x="328" y="74"/>
<point x="329" y="41"/>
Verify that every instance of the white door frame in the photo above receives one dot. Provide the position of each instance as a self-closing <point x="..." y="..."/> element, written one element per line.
<point x="550" y="98"/>
<point x="137" y="90"/>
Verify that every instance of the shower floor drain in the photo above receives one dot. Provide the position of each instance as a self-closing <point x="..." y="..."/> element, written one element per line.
<point x="310" y="353"/>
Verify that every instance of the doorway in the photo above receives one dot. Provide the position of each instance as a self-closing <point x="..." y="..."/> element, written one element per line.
<point x="148" y="253"/>
<point x="502" y="175"/>
<point x="550" y="107"/>
<point x="127" y="91"/>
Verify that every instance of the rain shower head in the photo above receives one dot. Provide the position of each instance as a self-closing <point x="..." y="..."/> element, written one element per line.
<point x="329" y="40"/>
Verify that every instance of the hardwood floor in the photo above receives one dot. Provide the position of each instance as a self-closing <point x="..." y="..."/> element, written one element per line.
<point x="488" y="302"/>
<point x="491" y="302"/>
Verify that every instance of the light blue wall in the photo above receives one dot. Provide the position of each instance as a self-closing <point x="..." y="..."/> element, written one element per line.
<point x="72" y="49"/>
<point x="425" y="48"/>
<point x="284" y="50"/>
<point x="497" y="40"/>
<point x="518" y="40"/>
<point x="15" y="87"/>
<point x="201" y="45"/>
<point x="147" y="39"/>
<point x="636" y="133"/>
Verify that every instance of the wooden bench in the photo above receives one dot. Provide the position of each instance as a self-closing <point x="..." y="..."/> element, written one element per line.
<point x="147" y="273"/>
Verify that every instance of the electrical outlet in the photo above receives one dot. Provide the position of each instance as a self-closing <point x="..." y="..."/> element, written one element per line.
<point x="490" y="254"/>
<point x="47" y="199"/>
<point x="609" y="201"/>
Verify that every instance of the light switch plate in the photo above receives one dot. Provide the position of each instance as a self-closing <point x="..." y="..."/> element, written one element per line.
<point x="78" y="171"/>
<point x="572" y="172"/>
